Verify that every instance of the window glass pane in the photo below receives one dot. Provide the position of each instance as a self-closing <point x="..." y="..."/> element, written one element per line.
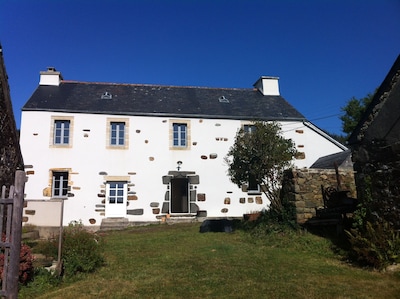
<point x="249" y="128"/>
<point x="253" y="186"/>
<point x="117" y="136"/>
<point x="179" y="134"/>
<point x="60" y="184"/>
<point x="61" y="131"/>
<point x="116" y="192"/>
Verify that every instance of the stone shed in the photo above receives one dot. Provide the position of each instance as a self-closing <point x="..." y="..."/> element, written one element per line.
<point x="10" y="153"/>
<point x="375" y="144"/>
<point x="304" y="186"/>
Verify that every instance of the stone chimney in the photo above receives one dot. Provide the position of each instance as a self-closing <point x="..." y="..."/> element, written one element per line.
<point x="268" y="86"/>
<point x="50" y="77"/>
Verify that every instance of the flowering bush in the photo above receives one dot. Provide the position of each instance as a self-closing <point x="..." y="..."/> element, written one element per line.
<point x="26" y="268"/>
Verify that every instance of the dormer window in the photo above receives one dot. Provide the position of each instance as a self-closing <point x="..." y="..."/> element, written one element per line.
<point x="106" y="96"/>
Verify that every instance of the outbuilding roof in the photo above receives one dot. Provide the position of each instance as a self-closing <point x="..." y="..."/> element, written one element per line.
<point x="157" y="100"/>
<point x="340" y="160"/>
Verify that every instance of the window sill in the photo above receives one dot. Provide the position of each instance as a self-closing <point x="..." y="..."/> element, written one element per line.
<point x="254" y="193"/>
<point x="61" y="145"/>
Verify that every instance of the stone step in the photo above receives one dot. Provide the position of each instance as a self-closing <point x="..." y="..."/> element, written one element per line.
<point x="114" y="224"/>
<point x="181" y="218"/>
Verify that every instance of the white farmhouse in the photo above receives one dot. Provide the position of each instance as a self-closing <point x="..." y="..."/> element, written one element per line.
<point x="141" y="153"/>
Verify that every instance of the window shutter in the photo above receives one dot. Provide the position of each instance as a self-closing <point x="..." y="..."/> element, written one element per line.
<point x="166" y="179"/>
<point x="194" y="179"/>
<point x="193" y="195"/>
<point x="194" y="208"/>
<point x="165" y="208"/>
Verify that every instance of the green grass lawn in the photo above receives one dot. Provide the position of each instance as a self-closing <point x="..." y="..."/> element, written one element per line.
<point x="176" y="261"/>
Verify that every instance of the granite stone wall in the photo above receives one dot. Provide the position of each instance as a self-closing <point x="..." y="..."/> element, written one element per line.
<point x="303" y="188"/>
<point x="10" y="153"/>
<point x="378" y="179"/>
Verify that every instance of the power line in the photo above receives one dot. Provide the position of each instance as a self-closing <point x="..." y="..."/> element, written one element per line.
<point x="325" y="117"/>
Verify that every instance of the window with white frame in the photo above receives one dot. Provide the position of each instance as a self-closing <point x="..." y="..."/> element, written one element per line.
<point x="117" y="130"/>
<point x="248" y="128"/>
<point x="117" y="133"/>
<point x="179" y="134"/>
<point x="59" y="184"/>
<point x="61" y="132"/>
<point x="253" y="186"/>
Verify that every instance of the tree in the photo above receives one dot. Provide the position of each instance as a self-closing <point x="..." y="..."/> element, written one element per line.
<point x="261" y="155"/>
<point x="339" y="138"/>
<point x="353" y="112"/>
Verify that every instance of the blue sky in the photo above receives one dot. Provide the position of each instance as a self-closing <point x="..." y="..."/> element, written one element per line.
<point x="324" y="52"/>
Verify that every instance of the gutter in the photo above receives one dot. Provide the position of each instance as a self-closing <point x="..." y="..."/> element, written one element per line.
<point x="168" y="114"/>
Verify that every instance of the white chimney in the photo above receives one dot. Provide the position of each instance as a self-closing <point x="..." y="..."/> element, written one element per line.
<point x="50" y="77"/>
<point x="268" y="86"/>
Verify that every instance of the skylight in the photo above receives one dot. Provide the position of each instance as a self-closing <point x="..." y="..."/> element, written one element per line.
<point x="106" y="96"/>
<point x="222" y="99"/>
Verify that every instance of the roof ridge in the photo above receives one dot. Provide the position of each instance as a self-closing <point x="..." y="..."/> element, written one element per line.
<point x="153" y="85"/>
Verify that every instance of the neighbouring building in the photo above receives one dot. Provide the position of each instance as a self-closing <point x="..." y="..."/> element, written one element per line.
<point x="10" y="153"/>
<point x="375" y="145"/>
<point x="144" y="153"/>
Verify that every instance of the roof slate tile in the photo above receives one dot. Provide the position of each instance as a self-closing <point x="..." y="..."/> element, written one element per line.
<point x="156" y="100"/>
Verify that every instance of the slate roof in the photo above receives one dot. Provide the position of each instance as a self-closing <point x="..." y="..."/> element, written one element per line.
<point x="381" y="120"/>
<point x="342" y="160"/>
<point x="155" y="100"/>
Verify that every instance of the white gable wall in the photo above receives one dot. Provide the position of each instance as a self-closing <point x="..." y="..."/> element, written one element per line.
<point x="143" y="163"/>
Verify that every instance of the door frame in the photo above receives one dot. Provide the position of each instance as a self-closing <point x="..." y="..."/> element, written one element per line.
<point x="192" y="180"/>
<point x="116" y="210"/>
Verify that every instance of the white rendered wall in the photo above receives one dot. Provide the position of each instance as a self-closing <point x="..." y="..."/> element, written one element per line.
<point x="147" y="159"/>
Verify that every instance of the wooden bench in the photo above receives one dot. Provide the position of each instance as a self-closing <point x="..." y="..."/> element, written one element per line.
<point x="337" y="206"/>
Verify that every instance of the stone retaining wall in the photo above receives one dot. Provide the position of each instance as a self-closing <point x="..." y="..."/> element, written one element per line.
<point x="303" y="188"/>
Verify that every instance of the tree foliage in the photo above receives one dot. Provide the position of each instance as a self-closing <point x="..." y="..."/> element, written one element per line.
<point x="261" y="155"/>
<point x="353" y="112"/>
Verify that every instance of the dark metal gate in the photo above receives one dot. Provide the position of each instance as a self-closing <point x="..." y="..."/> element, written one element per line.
<point x="11" y="207"/>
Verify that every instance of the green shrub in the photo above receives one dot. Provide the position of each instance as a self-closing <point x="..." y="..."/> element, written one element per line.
<point x="378" y="245"/>
<point x="28" y="228"/>
<point x="48" y="248"/>
<point x="81" y="251"/>
<point x="270" y="222"/>
<point x="43" y="280"/>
